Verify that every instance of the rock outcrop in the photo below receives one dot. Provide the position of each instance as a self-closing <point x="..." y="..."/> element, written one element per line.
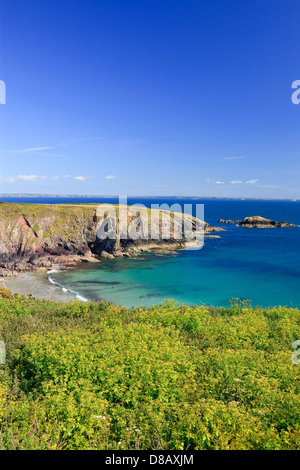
<point x="36" y="236"/>
<point x="257" y="222"/>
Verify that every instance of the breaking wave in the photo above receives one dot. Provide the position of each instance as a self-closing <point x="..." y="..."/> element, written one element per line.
<point x="64" y="289"/>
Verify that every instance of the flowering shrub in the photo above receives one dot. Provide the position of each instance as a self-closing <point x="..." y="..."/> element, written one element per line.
<point x="98" y="376"/>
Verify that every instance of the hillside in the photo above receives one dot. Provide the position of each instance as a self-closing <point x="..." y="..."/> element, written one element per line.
<point x="99" y="376"/>
<point x="36" y="236"/>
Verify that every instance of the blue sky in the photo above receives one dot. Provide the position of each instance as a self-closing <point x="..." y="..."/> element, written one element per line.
<point x="150" y="97"/>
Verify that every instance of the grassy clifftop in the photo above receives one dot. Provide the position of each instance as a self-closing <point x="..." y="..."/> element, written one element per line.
<point x="41" y="221"/>
<point x="95" y="375"/>
<point x="35" y="213"/>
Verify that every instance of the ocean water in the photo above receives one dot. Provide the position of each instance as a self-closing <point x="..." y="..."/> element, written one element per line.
<point x="261" y="265"/>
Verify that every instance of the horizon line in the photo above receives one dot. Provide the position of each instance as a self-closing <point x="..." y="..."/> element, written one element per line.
<point x="21" y="195"/>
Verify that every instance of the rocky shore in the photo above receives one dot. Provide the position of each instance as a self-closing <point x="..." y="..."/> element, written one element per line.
<point x="257" y="222"/>
<point x="34" y="237"/>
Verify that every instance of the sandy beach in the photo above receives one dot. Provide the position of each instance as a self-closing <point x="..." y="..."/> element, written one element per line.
<point x="38" y="285"/>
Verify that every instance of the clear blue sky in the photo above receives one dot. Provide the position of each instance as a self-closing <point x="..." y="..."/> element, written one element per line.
<point x="156" y="97"/>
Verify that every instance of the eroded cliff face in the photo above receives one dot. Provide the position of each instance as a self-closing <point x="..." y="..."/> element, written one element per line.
<point x="36" y="236"/>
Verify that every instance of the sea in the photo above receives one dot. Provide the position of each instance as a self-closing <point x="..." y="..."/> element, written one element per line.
<point x="261" y="266"/>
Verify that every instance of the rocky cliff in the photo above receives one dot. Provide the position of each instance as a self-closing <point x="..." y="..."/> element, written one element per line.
<point x="36" y="236"/>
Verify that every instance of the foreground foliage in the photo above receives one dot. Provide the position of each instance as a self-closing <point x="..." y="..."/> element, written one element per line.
<point x="99" y="376"/>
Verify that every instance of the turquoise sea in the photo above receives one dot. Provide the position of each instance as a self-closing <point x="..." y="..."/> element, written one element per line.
<point x="262" y="265"/>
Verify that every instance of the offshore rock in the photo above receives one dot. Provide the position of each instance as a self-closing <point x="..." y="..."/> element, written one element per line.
<point x="257" y="222"/>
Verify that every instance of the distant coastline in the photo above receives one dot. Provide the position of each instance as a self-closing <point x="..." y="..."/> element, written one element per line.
<point x="114" y="196"/>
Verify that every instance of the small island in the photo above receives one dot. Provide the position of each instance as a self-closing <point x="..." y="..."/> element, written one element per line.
<point x="257" y="222"/>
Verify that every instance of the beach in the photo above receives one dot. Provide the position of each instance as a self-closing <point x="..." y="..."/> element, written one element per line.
<point x="37" y="285"/>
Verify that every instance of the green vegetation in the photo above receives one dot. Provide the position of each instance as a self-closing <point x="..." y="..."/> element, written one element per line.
<point x="63" y="220"/>
<point x="53" y="219"/>
<point x="97" y="376"/>
<point x="9" y="210"/>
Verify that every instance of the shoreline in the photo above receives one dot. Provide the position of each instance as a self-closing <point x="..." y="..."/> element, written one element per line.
<point x="40" y="285"/>
<point x="37" y="285"/>
<point x="35" y="238"/>
<point x="38" y="282"/>
<point x="64" y="289"/>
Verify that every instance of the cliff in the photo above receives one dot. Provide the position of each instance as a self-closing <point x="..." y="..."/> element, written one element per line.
<point x="36" y="236"/>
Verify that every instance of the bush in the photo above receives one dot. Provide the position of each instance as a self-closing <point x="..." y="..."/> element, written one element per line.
<point x="98" y="376"/>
